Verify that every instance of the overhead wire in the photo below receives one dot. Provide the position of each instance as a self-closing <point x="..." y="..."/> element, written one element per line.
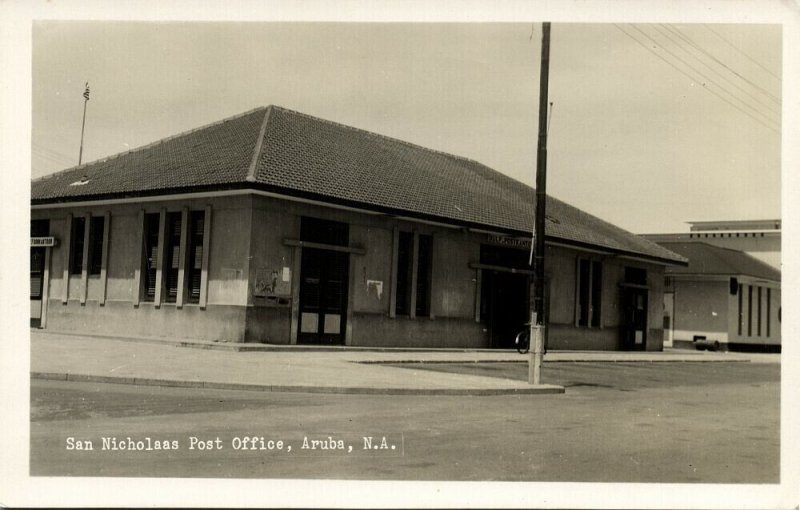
<point x="710" y="90"/>
<point x="704" y="77"/>
<point x="751" y="59"/>
<point x="768" y="107"/>
<point x="767" y="93"/>
<point x="749" y="94"/>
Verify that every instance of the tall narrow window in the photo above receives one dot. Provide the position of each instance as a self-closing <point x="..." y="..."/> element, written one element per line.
<point x="759" y="311"/>
<point x="76" y="250"/>
<point x="749" y="310"/>
<point x="173" y="246"/>
<point x="150" y="255"/>
<point x="590" y="292"/>
<point x="404" y="269"/>
<point x="769" y="308"/>
<point x="741" y="311"/>
<point x="425" y="259"/>
<point x="96" y="231"/>
<point x="195" y="252"/>
<point x="584" y="285"/>
<point x="597" y="291"/>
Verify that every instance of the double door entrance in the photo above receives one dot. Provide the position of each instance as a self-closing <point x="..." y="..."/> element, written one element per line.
<point x="323" y="296"/>
<point x="324" y="282"/>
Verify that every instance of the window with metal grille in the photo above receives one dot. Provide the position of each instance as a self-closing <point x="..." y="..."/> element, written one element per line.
<point x="424" y="262"/>
<point x="39" y="228"/>
<point x="96" y="230"/>
<point x="590" y="292"/>
<point x="194" y="265"/>
<point x="404" y="268"/>
<point x="150" y="259"/>
<point x="76" y="245"/>
<point x="172" y="241"/>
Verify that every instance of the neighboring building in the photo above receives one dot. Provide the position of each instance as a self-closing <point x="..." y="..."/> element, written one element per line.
<point x="759" y="238"/>
<point x="274" y="226"/>
<point x="724" y="296"/>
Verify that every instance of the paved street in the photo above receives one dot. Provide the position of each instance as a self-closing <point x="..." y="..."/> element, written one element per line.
<point x="618" y="422"/>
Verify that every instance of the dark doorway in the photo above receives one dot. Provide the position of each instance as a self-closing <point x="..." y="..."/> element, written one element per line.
<point x="505" y="306"/>
<point x="505" y="295"/>
<point x="324" y="281"/>
<point x="634" y="319"/>
<point x="39" y="228"/>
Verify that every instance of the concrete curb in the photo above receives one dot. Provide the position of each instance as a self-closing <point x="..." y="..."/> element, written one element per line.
<point x="352" y="390"/>
<point x="570" y="356"/>
<point x="525" y="360"/>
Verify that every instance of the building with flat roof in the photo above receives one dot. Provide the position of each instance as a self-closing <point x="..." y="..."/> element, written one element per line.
<point x="758" y="238"/>
<point x="724" y="296"/>
<point x="278" y="227"/>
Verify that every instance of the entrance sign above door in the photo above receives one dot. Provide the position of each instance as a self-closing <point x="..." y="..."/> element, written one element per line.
<point x="513" y="242"/>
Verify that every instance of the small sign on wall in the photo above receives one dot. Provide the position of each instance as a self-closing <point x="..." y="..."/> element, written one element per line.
<point x="273" y="282"/>
<point x="37" y="242"/>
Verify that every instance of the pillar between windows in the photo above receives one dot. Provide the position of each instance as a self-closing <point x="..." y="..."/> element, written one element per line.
<point x="182" y="258"/>
<point x="206" y="255"/>
<point x="67" y="246"/>
<point x="162" y="223"/>
<point x="137" y="272"/>
<point x="87" y="221"/>
<point x="104" y="257"/>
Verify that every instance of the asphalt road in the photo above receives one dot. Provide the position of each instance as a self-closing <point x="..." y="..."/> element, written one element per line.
<point x="618" y="422"/>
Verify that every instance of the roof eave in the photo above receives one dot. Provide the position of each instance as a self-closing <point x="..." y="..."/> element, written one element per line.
<point x="256" y="186"/>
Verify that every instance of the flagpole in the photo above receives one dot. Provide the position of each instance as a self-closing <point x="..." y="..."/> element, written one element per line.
<point x="83" y="124"/>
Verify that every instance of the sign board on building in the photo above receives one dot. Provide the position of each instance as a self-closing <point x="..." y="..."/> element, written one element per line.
<point x="37" y="242"/>
<point x="273" y="282"/>
<point x="511" y="242"/>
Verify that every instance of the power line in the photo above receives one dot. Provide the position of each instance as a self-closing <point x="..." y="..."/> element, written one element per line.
<point x="751" y="59"/>
<point x="755" y="110"/>
<point x="754" y="97"/>
<point x="775" y="98"/>
<point x="706" y="78"/>
<point x="694" y="79"/>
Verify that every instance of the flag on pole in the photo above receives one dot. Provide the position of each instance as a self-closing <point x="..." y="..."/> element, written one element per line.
<point x="86" y="92"/>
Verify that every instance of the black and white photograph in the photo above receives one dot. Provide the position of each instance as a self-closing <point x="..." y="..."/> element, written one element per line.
<point x="372" y="255"/>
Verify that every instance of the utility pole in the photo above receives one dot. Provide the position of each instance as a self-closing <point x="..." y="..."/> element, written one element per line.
<point x="537" y="306"/>
<point x="83" y="125"/>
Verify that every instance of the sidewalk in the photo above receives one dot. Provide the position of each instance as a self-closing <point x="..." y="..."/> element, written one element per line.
<point x="299" y="369"/>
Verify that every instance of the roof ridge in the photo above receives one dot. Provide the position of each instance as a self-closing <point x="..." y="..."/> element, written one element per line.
<point x="387" y="137"/>
<point x="259" y="146"/>
<point x="148" y="145"/>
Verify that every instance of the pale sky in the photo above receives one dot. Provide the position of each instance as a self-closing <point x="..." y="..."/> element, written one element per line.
<point x="632" y="139"/>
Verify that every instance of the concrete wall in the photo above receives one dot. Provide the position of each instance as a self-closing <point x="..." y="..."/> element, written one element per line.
<point x="452" y="289"/>
<point x="707" y="308"/>
<point x="701" y="308"/>
<point x="561" y="271"/>
<point x="221" y="320"/>
<point x="247" y="247"/>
